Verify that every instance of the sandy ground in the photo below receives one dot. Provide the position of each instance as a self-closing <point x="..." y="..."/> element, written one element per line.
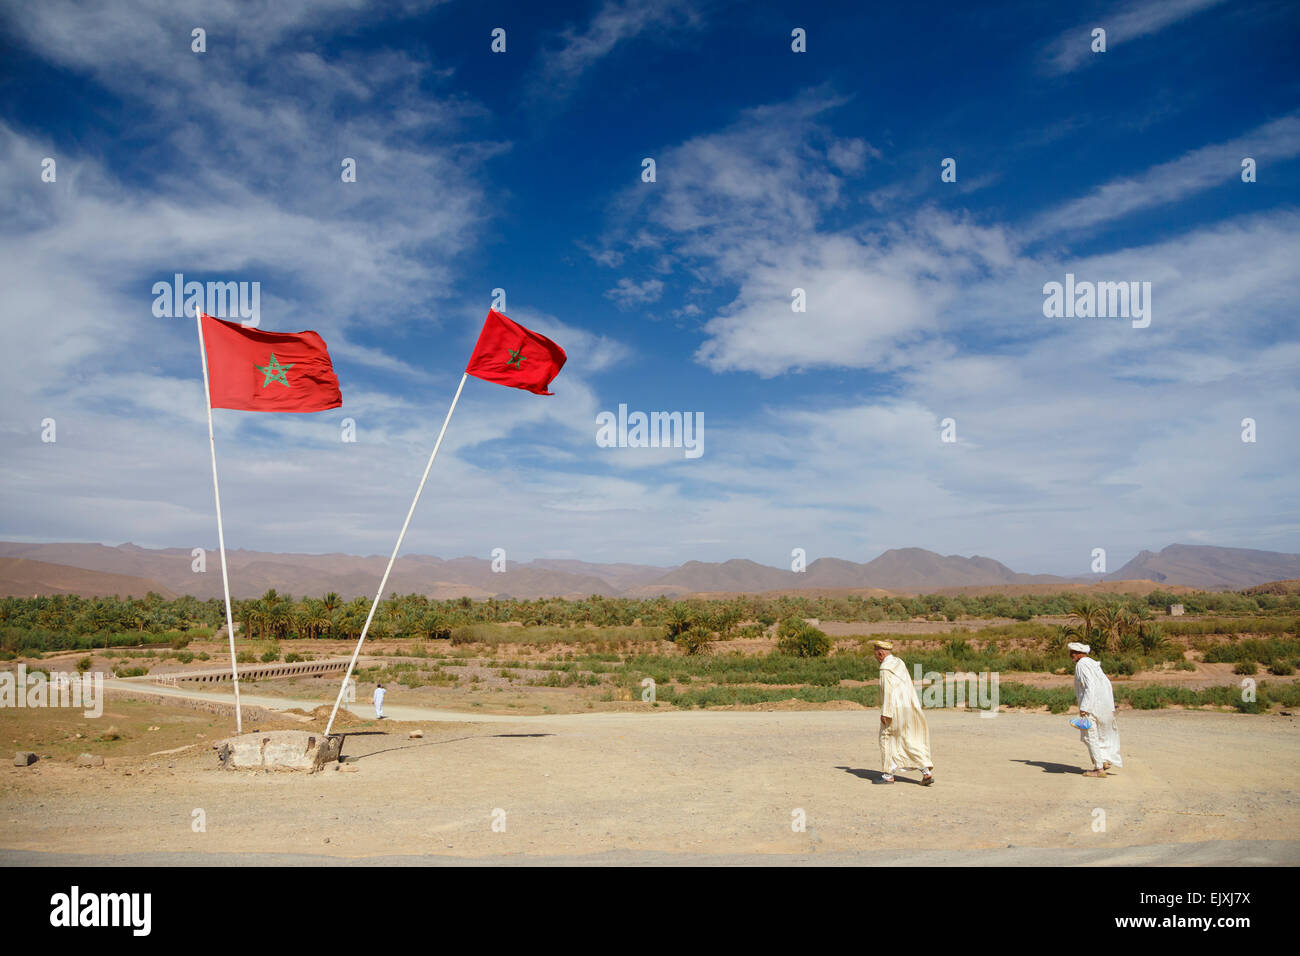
<point x="687" y="786"/>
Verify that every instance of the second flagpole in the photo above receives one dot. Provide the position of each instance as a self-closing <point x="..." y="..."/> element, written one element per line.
<point x="397" y="547"/>
<point x="221" y="534"/>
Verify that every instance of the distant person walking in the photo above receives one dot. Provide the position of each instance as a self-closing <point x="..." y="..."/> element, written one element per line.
<point x="1097" y="707"/>
<point x="379" y="702"/>
<point x="904" y="733"/>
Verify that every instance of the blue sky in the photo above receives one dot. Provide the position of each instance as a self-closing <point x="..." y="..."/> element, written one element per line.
<point x="775" y="170"/>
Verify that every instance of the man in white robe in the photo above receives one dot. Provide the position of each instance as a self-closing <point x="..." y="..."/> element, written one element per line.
<point x="904" y="733"/>
<point x="1097" y="704"/>
<point x="379" y="702"/>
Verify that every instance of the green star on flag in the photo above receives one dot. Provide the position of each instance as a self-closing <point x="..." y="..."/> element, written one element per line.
<point x="499" y="356"/>
<point x="274" y="371"/>
<point x="243" y="362"/>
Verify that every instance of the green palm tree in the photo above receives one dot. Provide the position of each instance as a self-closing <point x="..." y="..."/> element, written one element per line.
<point x="1086" y="611"/>
<point x="316" y="616"/>
<point x="1109" y="623"/>
<point x="678" y="620"/>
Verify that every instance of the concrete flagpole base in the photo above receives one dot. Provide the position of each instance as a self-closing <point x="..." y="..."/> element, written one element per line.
<point x="300" y="750"/>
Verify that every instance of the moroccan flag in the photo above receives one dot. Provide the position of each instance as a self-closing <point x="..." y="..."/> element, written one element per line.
<point x="260" y="371"/>
<point x="509" y="354"/>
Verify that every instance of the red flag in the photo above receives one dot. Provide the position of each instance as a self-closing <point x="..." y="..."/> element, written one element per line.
<point x="509" y="354"/>
<point x="268" y="371"/>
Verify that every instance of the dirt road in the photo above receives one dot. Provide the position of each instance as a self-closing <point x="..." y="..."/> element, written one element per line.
<point x="697" y="786"/>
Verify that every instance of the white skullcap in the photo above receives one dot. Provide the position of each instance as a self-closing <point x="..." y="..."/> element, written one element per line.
<point x="1081" y="648"/>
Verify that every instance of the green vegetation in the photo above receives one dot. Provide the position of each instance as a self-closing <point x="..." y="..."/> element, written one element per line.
<point x="695" y="639"/>
<point x="685" y="646"/>
<point x="800" y="639"/>
<point x="1114" y="625"/>
<point x="67" y="622"/>
<point x="1056" y="700"/>
<point x="1259" y="651"/>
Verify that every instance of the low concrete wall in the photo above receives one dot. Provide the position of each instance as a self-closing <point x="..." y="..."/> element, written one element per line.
<point x="251" y="672"/>
<point x="218" y="707"/>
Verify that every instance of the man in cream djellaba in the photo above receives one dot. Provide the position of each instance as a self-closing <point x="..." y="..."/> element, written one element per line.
<point x="904" y="733"/>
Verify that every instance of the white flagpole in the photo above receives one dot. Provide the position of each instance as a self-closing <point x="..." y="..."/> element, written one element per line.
<point x="384" y="582"/>
<point x="221" y="535"/>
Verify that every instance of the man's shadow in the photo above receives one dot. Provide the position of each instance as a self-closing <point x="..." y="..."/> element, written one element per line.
<point x="875" y="776"/>
<point x="1050" y="767"/>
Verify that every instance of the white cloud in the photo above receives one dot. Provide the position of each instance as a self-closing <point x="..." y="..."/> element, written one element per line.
<point x="613" y="25"/>
<point x="628" y="293"/>
<point x="1073" y="48"/>
<point x="1199" y="170"/>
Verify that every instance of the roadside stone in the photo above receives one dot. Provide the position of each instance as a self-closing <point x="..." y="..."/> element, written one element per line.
<point x="415" y="734"/>
<point x="24" y="758"/>
<point x="278" y="750"/>
<point x="90" y="760"/>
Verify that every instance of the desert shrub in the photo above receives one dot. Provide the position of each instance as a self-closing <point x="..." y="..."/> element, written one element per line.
<point x="120" y="671"/>
<point x="1057" y="700"/>
<point x="463" y="635"/>
<point x="84" y="665"/>
<point x="293" y="657"/>
<point x="694" y="640"/>
<point x="180" y="642"/>
<point x="726" y="696"/>
<point x="797" y="638"/>
<point x="958" y="648"/>
<point x="1231" y="625"/>
<point x="1156" y="696"/>
<point x="271" y="655"/>
<point x="1245" y="667"/>
<point x="1263" y="651"/>
<point x="1281" y="668"/>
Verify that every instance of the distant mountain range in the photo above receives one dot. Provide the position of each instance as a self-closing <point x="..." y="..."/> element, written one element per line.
<point x="1215" y="569"/>
<point x="88" y="569"/>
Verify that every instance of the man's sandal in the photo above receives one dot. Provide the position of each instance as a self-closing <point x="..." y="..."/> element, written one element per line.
<point x="887" y="778"/>
<point x="927" y="779"/>
<point x="1094" y="773"/>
